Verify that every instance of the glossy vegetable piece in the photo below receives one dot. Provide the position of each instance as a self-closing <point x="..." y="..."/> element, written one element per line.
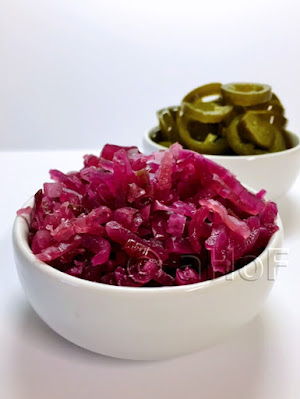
<point x="212" y="144"/>
<point x="255" y="128"/>
<point x="272" y="118"/>
<point x="194" y="107"/>
<point x="272" y="110"/>
<point x="167" y="123"/>
<point x="206" y="112"/>
<point x="274" y="105"/>
<point x="236" y="143"/>
<point x="246" y="94"/>
<point x="201" y="92"/>
<point x="279" y="143"/>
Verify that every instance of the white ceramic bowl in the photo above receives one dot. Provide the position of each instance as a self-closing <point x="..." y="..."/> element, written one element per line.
<point x="143" y="323"/>
<point x="274" y="172"/>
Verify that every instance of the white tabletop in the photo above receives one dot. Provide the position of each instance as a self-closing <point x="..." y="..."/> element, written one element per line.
<point x="259" y="362"/>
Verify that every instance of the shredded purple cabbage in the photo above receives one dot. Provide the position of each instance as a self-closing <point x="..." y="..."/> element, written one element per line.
<point x="127" y="219"/>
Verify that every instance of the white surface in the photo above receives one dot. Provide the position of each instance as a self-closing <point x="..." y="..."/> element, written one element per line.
<point x="144" y="323"/>
<point x="74" y="72"/>
<point x="259" y="362"/>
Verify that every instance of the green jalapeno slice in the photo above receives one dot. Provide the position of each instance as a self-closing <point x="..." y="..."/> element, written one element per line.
<point x="246" y="94"/>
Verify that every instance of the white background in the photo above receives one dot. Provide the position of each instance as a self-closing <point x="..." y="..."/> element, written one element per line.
<point x="74" y="73"/>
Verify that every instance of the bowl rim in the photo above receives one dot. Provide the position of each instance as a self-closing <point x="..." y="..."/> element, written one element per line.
<point x="295" y="148"/>
<point x="20" y="244"/>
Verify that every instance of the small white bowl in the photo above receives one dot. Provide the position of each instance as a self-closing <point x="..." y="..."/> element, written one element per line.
<point x="143" y="323"/>
<point x="274" y="172"/>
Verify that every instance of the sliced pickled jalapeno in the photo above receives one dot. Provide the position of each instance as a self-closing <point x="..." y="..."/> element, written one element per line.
<point x="198" y="94"/>
<point x="174" y="110"/>
<point x="239" y="146"/>
<point x="243" y="118"/>
<point x="273" y="118"/>
<point x="211" y="144"/>
<point x="279" y="143"/>
<point x="209" y="112"/>
<point x="167" y="124"/>
<point x="274" y="105"/>
<point x="246" y="94"/>
<point x="254" y="128"/>
<point x="245" y="137"/>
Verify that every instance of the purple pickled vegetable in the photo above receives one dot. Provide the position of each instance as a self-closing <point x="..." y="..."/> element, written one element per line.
<point x="130" y="219"/>
<point x="176" y="225"/>
<point x="221" y="254"/>
<point x="98" y="246"/>
<point x="199" y="228"/>
<point x="109" y="151"/>
<point x="59" y="249"/>
<point x="234" y="224"/>
<point x="179" y="245"/>
<point x="52" y="190"/>
<point x="163" y="278"/>
<point x="123" y="279"/>
<point x="163" y="175"/>
<point x="125" y="216"/>
<point x="41" y="240"/>
<point x="75" y="271"/>
<point x="141" y="271"/>
<point x="186" y="276"/>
